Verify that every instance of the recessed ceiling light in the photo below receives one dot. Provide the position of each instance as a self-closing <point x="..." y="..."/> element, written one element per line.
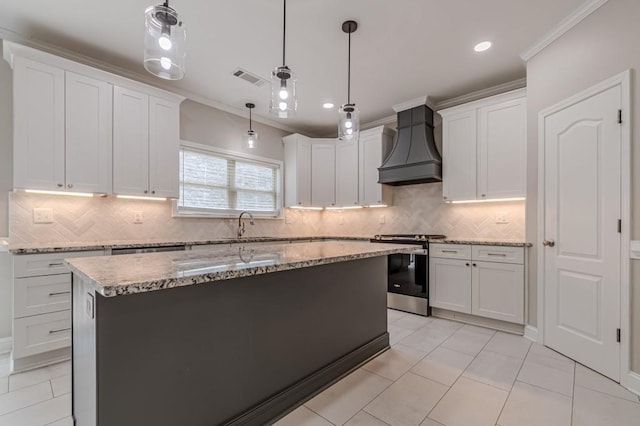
<point x="327" y="105"/>
<point x="481" y="47"/>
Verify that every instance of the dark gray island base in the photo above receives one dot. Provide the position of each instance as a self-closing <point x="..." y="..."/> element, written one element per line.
<point x="239" y="351"/>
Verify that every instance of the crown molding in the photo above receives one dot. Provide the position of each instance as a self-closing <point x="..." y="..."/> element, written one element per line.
<point x="586" y="9"/>
<point x="412" y="103"/>
<point x="6" y="34"/>
<point x="481" y="94"/>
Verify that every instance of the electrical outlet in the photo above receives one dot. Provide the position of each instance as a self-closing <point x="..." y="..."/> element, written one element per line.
<point x="502" y="218"/>
<point x="42" y="215"/>
<point x="137" y="217"/>
<point x="381" y="219"/>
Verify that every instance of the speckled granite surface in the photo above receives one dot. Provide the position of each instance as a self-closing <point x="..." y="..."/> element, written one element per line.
<point x="138" y="273"/>
<point x="482" y="242"/>
<point x="102" y="245"/>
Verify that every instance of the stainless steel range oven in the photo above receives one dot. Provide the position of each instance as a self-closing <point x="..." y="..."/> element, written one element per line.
<point x="408" y="274"/>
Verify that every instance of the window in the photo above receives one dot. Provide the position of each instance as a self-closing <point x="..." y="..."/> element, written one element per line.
<point x="219" y="183"/>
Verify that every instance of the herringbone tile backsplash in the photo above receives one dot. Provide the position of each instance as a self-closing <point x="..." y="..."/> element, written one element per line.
<point x="416" y="209"/>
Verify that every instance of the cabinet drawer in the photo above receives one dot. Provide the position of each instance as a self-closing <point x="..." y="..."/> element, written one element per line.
<point x="41" y="333"/>
<point x="498" y="254"/>
<point x="41" y="295"/>
<point x="33" y="265"/>
<point x="450" y="251"/>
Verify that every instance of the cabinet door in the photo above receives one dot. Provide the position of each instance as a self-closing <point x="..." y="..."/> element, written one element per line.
<point x="164" y="147"/>
<point x="459" y="156"/>
<point x="502" y="150"/>
<point x="303" y="164"/>
<point x="38" y="148"/>
<point x="450" y="284"/>
<point x="297" y="171"/>
<point x="323" y="174"/>
<point x="370" y="158"/>
<point x="130" y="142"/>
<point x="498" y="291"/>
<point x="88" y="134"/>
<point x="347" y="173"/>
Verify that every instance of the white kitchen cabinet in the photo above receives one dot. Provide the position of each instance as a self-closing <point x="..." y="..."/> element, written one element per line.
<point x="372" y="144"/>
<point x="484" y="145"/>
<point x="481" y="280"/>
<point x="497" y="291"/>
<point x="146" y="144"/>
<point x="346" y="173"/>
<point x="88" y="134"/>
<point x="297" y="171"/>
<point x="323" y="173"/>
<point x="39" y="127"/>
<point x="450" y="284"/>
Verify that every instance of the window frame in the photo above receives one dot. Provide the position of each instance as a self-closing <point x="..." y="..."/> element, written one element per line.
<point x="194" y="212"/>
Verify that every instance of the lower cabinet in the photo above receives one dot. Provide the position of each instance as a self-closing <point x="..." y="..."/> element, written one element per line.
<point x="491" y="289"/>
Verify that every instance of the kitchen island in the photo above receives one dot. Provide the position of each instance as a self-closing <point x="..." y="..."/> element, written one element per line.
<point x="222" y="336"/>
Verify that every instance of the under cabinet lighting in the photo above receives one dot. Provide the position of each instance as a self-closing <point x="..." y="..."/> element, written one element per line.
<point x="344" y="208"/>
<point x="136" y="197"/>
<point x="75" y="194"/>
<point x="377" y="206"/>
<point x="305" y="208"/>
<point x="493" y="200"/>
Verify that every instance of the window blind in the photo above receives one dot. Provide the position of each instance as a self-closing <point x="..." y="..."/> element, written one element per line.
<point x="223" y="184"/>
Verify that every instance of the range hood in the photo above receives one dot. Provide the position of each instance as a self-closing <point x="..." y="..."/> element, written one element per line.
<point x="414" y="157"/>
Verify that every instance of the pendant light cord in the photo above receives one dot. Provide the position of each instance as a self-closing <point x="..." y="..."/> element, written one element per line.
<point x="250" y="128"/>
<point x="349" y="73"/>
<point x="284" y="33"/>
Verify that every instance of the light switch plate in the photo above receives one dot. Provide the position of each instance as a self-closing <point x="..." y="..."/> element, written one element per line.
<point x="42" y="215"/>
<point x="502" y="218"/>
<point x="381" y="219"/>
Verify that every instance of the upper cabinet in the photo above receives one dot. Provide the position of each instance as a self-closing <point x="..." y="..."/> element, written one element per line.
<point x="331" y="173"/>
<point x="79" y="129"/>
<point x="484" y="148"/>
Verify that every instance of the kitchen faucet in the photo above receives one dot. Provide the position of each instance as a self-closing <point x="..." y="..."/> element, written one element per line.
<point x="241" y="223"/>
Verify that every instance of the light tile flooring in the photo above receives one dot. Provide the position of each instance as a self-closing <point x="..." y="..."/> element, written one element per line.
<point x="437" y="372"/>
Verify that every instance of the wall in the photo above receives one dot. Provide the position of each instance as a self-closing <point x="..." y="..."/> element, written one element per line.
<point x="601" y="46"/>
<point x="6" y="183"/>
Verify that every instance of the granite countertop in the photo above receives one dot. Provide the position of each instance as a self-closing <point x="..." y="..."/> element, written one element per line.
<point x="138" y="273"/>
<point x="482" y="242"/>
<point x="58" y="247"/>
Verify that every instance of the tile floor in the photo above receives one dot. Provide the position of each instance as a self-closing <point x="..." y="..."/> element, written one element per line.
<point x="437" y="372"/>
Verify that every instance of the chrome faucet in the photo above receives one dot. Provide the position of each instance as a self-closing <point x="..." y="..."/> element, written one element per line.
<point x="241" y="223"/>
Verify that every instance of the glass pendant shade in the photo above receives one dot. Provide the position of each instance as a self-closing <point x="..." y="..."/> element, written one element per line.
<point x="164" y="43"/>
<point x="349" y="122"/>
<point x="251" y="139"/>
<point x="283" y="93"/>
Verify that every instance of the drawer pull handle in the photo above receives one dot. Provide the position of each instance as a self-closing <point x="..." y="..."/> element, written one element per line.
<point x="449" y="251"/>
<point x="51" y="264"/>
<point x="59" y="293"/>
<point x="62" y="330"/>
<point x="396" y="285"/>
<point x="497" y="254"/>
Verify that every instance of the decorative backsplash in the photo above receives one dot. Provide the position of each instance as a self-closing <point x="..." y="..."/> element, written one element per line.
<point x="416" y="208"/>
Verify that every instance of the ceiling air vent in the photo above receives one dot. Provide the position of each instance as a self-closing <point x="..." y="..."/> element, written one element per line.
<point x="250" y="77"/>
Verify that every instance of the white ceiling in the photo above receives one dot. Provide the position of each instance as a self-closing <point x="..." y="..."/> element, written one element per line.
<point x="403" y="49"/>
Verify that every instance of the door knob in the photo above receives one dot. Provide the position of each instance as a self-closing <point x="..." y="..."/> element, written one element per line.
<point x="549" y="243"/>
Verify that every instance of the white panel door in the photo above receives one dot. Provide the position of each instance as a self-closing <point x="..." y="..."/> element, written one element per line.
<point x="130" y="142"/>
<point x="323" y="174"/>
<point x="88" y="134"/>
<point x="164" y="148"/>
<point x="497" y="291"/>
<point x="38" y="148"/>
<point x="450" y="284"/>
<point x="582" y="208"/>
<point x="459" y="156"/>
<point x="502" y="150"/>
<point x="347" y="173"/>
<point x="303" y="174"/>
<point x="370" y="159"/>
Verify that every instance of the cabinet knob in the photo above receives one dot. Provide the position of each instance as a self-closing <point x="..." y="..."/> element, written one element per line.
<point x="153" y="192"/>
<point x="355" y="202"/>
<point x="60" y="185"/>
<point x="467" y="264"/>
<point x="474" y="265"/>
<point x="548" y="243"/>
<point x="70" y="185"/>
<point x="146" y="192"/>
<point x="484" y="195"/>
<point x="333" y="204"/>
<point x="444" y="198"/>
<point x="299" y="203"/>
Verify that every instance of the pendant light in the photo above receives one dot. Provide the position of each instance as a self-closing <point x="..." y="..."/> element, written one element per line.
<point x="251" y="137"/>
<point x="349" y="115"/>
<point x="164" y="42"/>
<point x="283" y="82"/>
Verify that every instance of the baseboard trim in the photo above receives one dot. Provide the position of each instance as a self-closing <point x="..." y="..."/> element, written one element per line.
<point x="6" y="344"/>
<point x="285" y="401"/>
<point x="633" y="382"/>
<point x="531" y="333"/>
